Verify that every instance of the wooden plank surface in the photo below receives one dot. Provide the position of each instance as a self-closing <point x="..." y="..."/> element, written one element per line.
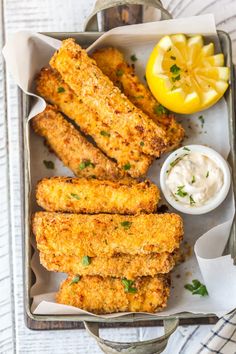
<point x="6" y="313"/>
<point x="61" y="15"/>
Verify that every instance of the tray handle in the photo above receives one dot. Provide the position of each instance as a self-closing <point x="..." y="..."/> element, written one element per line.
<point x="156" y="345"/>
<point x="152" y="346"/>
<point x="100" y="5"/>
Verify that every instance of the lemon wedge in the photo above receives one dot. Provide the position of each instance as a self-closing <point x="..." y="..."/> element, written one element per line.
<point x="184" y="74"/>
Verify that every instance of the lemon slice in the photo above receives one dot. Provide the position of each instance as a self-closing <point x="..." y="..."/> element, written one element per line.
<point x="184" y="74"/>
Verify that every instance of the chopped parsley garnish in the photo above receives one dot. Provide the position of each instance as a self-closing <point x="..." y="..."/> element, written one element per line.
<point x="180" y="192"/>
<point x="174" y="69"/>
<point x="119" y="72"/>
<point x="172" y="57"/>
<point x="128" y="285"/>
<point x="75" y="196"/>
<point x="173" y="163"/>
<point x="159" y="109"/>
<point x="86" y="260"/>
<point x="197" y="288"/>
<point x="175" y="78"/>
<point x="133" y="57"/>
<point x="60" y="89"/>
<point x="141" y="143"/>
<point x="49" y="164"/>
<point x="137" y="97"/>
<point x="191" y="200"/>
<point x="126" y="224"/>
<point x="104" y="133"/>
<point x="127" y="166"/>
<point x="173" y="88"/>
<point x="207" y="175"/>
<point x="75" y="280"/>
<point x="202" y="120"/>
<point x="193" y="180"/>
<point x="186" y="148"/>
<point x="169" y="49"/>
<point x="86" y="163"/>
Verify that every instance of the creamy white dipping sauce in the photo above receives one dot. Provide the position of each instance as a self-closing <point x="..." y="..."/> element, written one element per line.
<point x="194" y="179"/>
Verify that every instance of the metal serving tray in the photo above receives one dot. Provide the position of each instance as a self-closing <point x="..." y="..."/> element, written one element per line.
<point x="76" y="321"/>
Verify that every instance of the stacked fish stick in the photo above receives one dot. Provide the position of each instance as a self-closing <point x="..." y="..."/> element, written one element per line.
<point x="102" y="227"/>
<point x="73" y="149"/>
<point x="120" y="129"/>
<point x="115" y="262"/>
<point x="112" y="63"/>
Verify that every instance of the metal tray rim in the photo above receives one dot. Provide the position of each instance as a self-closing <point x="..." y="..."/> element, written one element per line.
<point x="24" y="106"/>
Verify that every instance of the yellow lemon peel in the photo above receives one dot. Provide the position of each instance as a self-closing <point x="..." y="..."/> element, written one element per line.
<point x="185" y="75"/>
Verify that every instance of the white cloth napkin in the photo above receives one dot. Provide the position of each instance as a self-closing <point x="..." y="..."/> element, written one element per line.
<point x="222" y="337"/>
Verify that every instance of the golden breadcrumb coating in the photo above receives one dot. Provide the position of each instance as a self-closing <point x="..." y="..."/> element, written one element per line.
<point x="106" y="234"/>
<point x="106" y="295"/>
<point x="102" y="228"/>
<point x="91" y="196"/>
<point x="54" y="90"/>
<point x="72" y="148"/>
<point x="88" y="82"/>
<point x="112" y="63"/>
<point x="120" y="265"/>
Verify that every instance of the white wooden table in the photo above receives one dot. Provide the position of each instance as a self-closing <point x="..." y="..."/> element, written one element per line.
<point x="61" y="15"/>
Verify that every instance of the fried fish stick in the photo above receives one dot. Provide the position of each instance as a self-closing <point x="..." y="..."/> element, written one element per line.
<point x="91" y="196"/>
<point x="72" y="148"/>
<point x="105" y="234"/>
<point x="106" y="295"/>
<point x="112" y="63"/>
<point x="54" y="90"/>
<point x="88" y="82"/>
<point x="122" y="265"/>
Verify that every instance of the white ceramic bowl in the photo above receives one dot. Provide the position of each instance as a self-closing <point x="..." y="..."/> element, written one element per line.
<point x="213" y="202"/>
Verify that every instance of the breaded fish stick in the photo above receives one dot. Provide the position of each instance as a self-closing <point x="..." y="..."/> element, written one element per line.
<point x="104" y="234"/>
<point x="72" y="148"/>
<point x="107" y="295"/>
<point x="54" y="90"/>
<point x="112" y="63"/>
<point x="88" y="82"/>
<point x="122" y="265"/>
<point x="91" y="196"/>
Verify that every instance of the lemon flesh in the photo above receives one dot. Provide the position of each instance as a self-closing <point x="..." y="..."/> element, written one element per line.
<point x="184" y="75"/>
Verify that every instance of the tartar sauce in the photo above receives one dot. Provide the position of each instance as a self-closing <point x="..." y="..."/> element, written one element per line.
<point x="194" y="179"/>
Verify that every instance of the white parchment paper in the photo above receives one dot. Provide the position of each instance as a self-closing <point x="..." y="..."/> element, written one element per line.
<point x="25" y="54"/>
